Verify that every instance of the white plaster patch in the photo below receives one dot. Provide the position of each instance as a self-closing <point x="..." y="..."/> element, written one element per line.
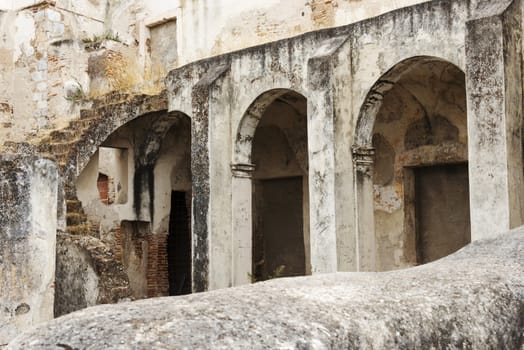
<point x="53" y="15"/>
<point x="24" y="34"/>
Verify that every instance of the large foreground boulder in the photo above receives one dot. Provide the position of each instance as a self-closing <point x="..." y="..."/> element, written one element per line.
<point x="473" y="299"/>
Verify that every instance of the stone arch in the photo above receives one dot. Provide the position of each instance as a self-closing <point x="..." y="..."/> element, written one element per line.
<point x="249" y="122"/>
<point x="146" y="231"/>
<point x="277" y="112"/>
<point x="374" y="98"/>
<point x="430" y="140"/>
<point x="146" y="148"/>
<point x="107" y="119"/>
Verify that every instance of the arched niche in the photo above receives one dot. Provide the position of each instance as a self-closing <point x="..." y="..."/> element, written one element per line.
<point x="410" y="162"/>
<point x="270" y="171"/>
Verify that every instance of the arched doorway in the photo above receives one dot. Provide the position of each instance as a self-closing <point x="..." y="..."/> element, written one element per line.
<point x="272" y="145"/>
<point x="136" y="189"/>
<point x="411" y="165"/>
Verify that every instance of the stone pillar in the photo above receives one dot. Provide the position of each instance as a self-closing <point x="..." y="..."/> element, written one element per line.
<point x="205" y="176"/>
<point x="363" y="159"/>
<point x="200" y="189"/>
<point x="321" y="152"/>
<point x="28" y="223"/>
<point x="494" y="93"/>
<point x="242" y="222"/>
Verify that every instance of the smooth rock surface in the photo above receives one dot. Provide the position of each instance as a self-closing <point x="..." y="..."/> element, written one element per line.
<point x="473" y="299"/>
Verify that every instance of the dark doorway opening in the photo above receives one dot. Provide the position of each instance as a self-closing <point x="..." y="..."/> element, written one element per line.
<point x="278" y="244"/>
<point x="179" y="246"/>
<point x="441" y="210"/>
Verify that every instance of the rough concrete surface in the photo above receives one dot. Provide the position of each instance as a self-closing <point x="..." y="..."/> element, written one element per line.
<point x="473" y="299"/>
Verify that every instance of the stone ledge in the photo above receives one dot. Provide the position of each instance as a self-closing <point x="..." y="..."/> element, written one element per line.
<point x="471" y="299"/>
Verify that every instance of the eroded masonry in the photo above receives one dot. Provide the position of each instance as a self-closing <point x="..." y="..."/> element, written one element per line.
<point x="373" y="144"/>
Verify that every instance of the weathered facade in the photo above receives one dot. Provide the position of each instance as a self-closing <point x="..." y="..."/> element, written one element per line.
<point x="355" y="146"/>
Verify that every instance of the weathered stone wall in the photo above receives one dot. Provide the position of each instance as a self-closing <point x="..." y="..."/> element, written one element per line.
<point x="208" y="28"/>
<point x="28" y="222"/>
<point x="339" y="71"/>
<point x="471" y="299"/>
<point x="45" y="64"/>
<point x="238" y="81"/>
<point x="342" y="72"/>
<point x="56" y="53"/>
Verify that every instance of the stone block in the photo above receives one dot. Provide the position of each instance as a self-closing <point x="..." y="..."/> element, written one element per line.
<point x="28" y="207"/>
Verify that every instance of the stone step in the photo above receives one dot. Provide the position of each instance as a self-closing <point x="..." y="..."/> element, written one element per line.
<point x="63" y="135"/>
<point x="82" y="124"/>
<point x="75" y="218"/>
<point x="111" y="99"/>
<point x="80" y="230"/>
<point x="62" y="155"/>
<point x="74" y="206"/>
<point x="61" y="158"/>
<point x="60" y="147"/>
<point x="101" y="108"/>
<point x="20" y="147"/>
<point x="87" y="114"/>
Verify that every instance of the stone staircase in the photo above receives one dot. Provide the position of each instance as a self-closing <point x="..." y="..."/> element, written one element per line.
<point x="113" y="283"/>
<point x="59" y="143"/>
<point x="77" y="222"/>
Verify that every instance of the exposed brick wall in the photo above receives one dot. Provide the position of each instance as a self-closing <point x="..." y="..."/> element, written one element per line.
<point x="106" y="189"/>
<point x="157" y="274"/>
<point x="162" y="269"/>
<point x="323" y="13"/>
<point x="111" y="190"/>
<point x="119" y="244"/>
<point x="103" y="188"/>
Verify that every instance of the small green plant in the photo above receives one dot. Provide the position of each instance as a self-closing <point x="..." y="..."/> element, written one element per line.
<point x="278" y="272"/>
<point x="96" y="39"/>
<point x="252" y="277"/>
<point x="76" y="94"/>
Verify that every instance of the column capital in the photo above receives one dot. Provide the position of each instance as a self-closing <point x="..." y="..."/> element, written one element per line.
<point x="363" y="158"/>
<point x="243" y="170"/>
<point x="363" y="154"/>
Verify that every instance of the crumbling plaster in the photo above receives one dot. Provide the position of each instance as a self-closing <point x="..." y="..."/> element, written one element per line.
<point x="49" y="36"/>
<point x="214" y="28"/>
<point x="435" y="29"/>
<point x="217" y="27"/>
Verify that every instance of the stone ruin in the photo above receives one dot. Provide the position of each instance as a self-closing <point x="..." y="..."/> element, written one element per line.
<point x="140" y="164"/>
